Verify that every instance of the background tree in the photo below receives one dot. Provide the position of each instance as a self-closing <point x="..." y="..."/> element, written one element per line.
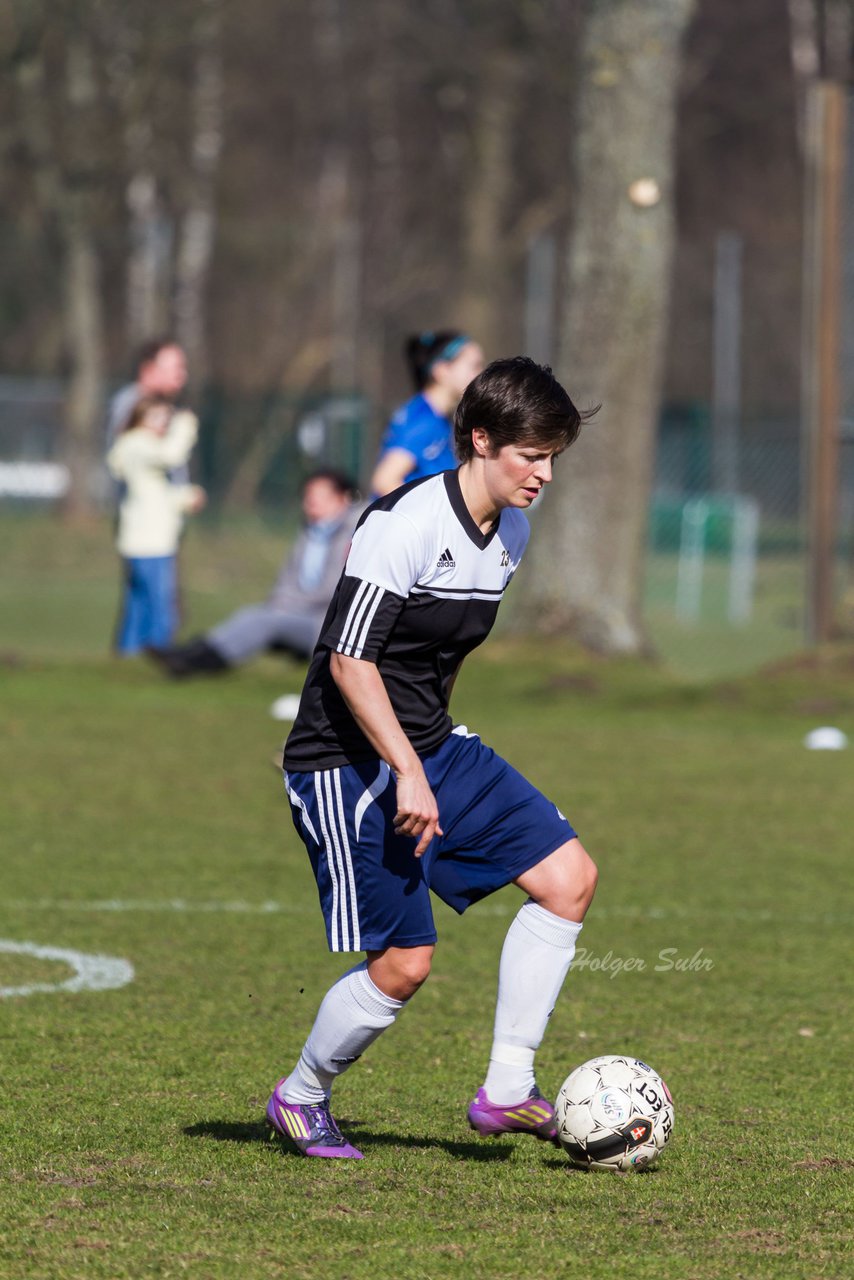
<point x="57" y="101"/>
<point x="360" y="172"/>
<point x="587" y="572"/>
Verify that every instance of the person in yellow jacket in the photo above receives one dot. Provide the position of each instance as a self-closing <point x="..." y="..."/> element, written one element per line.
<point x="154" y="442"/>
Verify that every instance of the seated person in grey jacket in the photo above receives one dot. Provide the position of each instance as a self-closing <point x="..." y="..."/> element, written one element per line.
<point x="291" y="617"/>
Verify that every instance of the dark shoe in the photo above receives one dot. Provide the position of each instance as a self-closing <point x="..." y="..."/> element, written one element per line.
<point x="195" y="658"/>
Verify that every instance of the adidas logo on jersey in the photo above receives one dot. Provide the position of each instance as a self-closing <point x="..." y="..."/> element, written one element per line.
<point x="446" y="560"/>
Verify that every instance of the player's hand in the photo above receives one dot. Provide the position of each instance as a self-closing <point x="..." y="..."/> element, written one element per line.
<point x="197" y="499"/>
<point x="417" y="811"/>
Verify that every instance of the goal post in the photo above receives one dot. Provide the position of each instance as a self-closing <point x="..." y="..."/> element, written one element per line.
<point x="733" y="521"/>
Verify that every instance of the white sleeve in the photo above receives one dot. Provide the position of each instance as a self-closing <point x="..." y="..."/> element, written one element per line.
<point x="385" y="561"/>
<point x="387" y="550"/>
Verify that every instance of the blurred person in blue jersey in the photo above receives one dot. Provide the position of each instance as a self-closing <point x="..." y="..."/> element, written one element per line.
<point x="417" y="441"/>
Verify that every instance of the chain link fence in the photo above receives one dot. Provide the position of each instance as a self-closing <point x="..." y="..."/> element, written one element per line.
<point x="729" y="570"/>
<point x="256" y="450"/>
<point x="726" y="570"/>
<point x="252" y="450"/>
<point x="725" y="578"/>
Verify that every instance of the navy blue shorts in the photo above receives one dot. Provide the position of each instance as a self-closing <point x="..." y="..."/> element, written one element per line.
<point x="373" y="891"/>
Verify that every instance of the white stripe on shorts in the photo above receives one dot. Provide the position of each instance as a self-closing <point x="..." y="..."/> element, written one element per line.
<point x="351" y="879"/>
<point x="376" y="788"/>
<point x="327" y="844"/>
<point x="300" y="804"/>
<point x="339" y="862"/>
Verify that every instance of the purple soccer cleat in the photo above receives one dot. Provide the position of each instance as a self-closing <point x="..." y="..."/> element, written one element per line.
<point x="311" y="1129"/>
<point x="534" y="1115"/>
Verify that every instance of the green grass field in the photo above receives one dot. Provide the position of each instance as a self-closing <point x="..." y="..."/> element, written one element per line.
<point x="713" y="647"/>
<point x="144" y="821"/>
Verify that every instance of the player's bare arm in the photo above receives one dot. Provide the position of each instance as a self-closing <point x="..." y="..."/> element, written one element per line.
<point x="362" y="688"/>
<point x="391" y="471"/>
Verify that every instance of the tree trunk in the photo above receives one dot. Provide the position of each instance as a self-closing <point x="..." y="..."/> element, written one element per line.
<point x="585" y="577"/>
<point x="385" y="118"/>
<point x="84" y="336"/>
<point x="67" y="195"/>
<point x="149" y="256"/>
<point x="820" y="35"/>
<point x="198" y="225"/>
<point x="487" y="191"/>
<point x="149" y="259"/>
<point x="84" y="319"/>
<point x="338" y="194"/>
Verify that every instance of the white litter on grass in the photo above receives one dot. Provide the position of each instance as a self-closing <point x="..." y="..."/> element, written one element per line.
<point x="286" y="707"/>
<point x="826" y="739"/>
<point x="91" y="972"/>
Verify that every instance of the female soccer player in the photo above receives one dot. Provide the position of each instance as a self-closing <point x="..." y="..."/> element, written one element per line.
<point x="393" y="800"/>
<point x="417" y="441"/>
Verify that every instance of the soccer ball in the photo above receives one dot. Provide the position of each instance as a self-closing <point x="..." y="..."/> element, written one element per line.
<point x="614" y="1113"/>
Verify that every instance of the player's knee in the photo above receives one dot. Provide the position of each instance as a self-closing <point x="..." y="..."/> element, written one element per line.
<point x="579" y="884"/>
<point x="588" y="880"/>
<point x="400" y="971"/>
<point x="568" y="884"/>
<point x="413" y="970"/>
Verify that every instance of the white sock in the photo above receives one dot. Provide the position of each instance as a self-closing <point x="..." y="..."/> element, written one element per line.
<point x="537" y="953"/>
<point x="353" y="1013"/>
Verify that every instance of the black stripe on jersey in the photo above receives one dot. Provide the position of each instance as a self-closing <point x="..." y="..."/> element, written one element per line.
<point x="468" y="592"/>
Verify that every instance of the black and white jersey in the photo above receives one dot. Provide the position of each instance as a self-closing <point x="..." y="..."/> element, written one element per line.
<point x="420" y="589"/>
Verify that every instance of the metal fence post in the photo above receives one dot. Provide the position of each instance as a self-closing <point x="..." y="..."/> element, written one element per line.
<point x="825" y="165"/>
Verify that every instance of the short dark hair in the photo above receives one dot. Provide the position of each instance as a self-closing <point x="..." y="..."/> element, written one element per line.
<point x="151" y="348"/>
<point x="423" y="350"/>
<point x="340" y="481"/>
<point x="517" y="401"/>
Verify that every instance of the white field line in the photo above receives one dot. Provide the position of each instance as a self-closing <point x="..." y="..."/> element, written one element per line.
<point x="180" y="905"/>
<point x="758" y="915"/>
<point x="91" y="972"/>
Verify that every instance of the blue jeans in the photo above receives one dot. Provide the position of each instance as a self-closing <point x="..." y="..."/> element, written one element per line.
<point x="149" y="604"/>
